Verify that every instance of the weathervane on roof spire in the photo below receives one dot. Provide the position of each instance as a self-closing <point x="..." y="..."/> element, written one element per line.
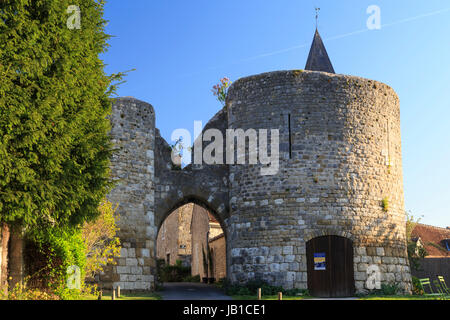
<point x="317" y="15"/>
<point x="318" y="59"/>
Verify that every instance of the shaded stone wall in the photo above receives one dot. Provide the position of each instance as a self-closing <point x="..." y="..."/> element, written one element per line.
<point x="337" y="136"/>
<point x="218" y="246"/>
<point x="199" y="234"/>
<point x="174" y="237"/>
<point x="184" y="229"/>
<point x="190" y="226"/>
<point x="167" y="241"/>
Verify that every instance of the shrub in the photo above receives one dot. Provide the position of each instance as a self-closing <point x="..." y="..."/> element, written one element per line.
<point x="244" y="291"/>
<point x="385" y="204"/>
<point x="25" y="293"/>
<point x="49" y="254"/>
<point x="54" y="289"/>
<point x="101" y="240"/>
<point x="415" y="255"/>
<point x="176" y="273"/>
<point x="192" y="278"/>
<point x="390" y="289"/>
<point x="220" y="283"/>
<point x="251" y="288"/>
<point x="417" y="287"/>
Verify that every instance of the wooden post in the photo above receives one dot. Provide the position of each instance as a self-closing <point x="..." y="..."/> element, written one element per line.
<point x="259" y="293"/>
<point x="118" y="291"/>
<point x="100" y="295"/>
<point x="114" y="294"/>
<point x="280" y="295"/>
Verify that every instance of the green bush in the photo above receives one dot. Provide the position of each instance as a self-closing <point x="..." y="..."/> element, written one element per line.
<point x="244" y="291"/>
<point x="415" y="255"/>
<point x="49" y="254"/>
<point x="176" y="273"/>
<point x="417" y="287"/>
<point x="251" y="288"/>
<point x="220" y="284"/>
<point x="390" y="289"/>
<point x="192" y="278"/>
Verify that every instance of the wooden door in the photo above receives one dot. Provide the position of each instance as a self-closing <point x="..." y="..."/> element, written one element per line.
<point x="330" y="267"/>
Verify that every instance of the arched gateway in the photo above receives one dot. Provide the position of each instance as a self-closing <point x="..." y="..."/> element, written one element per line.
<point x="339" y="165"/>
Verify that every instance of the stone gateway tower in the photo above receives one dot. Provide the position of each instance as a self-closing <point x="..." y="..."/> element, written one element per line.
<point x="332" y="220"/>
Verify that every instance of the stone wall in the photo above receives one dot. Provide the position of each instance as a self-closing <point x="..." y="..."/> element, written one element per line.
<point x="214" y="228"/>
<point x="340" y="157"/>
<point x="218" y="246"/>
<point x="133" y="133"/>
<point x="190" y="226"/>
<point x="199" y="233"/>
<point x="204" y="185"/>
<point x="167" y="241"/>
<point x="184" y="229"/>
<point x="174" y="236"/>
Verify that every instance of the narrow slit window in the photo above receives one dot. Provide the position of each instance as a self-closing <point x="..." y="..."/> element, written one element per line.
<point x="290" y="136"/>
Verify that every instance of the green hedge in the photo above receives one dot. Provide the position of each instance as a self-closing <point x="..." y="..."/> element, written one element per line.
<point x="251" y="288"/>
<point x="176" y="273"/>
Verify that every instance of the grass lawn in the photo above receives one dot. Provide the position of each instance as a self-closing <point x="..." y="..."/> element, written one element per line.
<point x="359" y="298"/>
<point x="274" y="297"/>
<point x="131" y="296"/>
<point x="154" y="296"/>
<point x="402" y="298"/>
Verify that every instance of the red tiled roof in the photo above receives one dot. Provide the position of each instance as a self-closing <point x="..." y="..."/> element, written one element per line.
<point x="431" y="238"/>
<point x="212" y="218"/>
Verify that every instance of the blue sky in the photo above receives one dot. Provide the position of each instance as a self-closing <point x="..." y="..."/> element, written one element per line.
<point x="180" y="49"/>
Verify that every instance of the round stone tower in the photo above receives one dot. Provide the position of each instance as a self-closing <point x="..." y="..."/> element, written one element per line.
<point x="132" y="167"/>
<point x="336" y="203"/>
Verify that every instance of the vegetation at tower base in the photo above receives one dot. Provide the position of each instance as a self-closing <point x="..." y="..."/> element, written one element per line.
<point x="54" y="142"/>
<point x="90" y="247"/>
<point x="415" y="252"/>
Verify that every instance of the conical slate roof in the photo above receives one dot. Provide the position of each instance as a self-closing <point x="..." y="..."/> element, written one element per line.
<point x="318" y="59"/>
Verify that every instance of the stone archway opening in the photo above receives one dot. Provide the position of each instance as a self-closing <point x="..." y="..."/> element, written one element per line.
<point x="191" y="245"/>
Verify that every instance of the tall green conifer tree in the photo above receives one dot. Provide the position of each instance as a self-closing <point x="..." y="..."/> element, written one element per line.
<point x="54" y="100"/>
